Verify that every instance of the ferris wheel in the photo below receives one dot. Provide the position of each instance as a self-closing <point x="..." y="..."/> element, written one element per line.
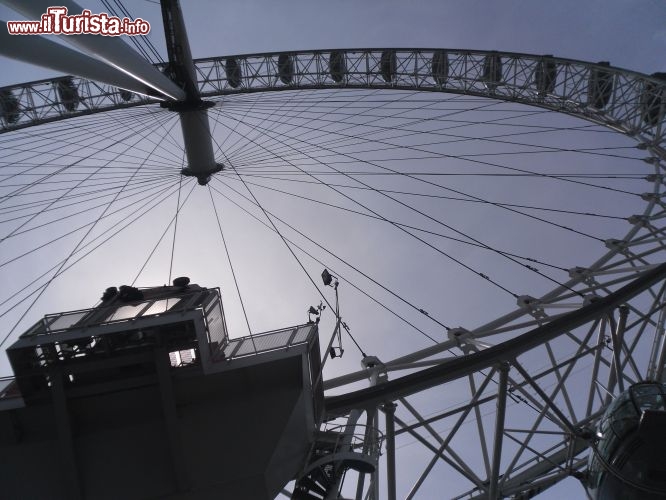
<point x="482" y="231"/>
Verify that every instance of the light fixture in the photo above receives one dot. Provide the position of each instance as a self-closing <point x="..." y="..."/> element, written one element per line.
<point x="326" y="277"/>
<point x="316" y="311"/>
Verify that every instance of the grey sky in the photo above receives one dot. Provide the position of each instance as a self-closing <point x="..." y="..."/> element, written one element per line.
<point x="629" y="34"/>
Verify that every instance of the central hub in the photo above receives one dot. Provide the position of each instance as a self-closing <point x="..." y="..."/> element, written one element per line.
<point x="192" y="110"/>
<point x="196" y="138"/>
<point x="198" y="145"/>
<point x="187" y="105"/>
<point x="203" y="176"/>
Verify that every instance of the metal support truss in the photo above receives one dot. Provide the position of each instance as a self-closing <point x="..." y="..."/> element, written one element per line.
<point x="523" y="468"/>
<point x="553" y="413"/>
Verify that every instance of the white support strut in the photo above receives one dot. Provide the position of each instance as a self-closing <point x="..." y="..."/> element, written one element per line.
<point x="113" y="50"/>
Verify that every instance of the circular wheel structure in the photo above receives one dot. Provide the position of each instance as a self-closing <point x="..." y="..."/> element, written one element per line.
<point x="494" y="221"/>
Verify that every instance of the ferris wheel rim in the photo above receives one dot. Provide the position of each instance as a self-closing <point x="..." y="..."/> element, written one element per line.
<point x="655" y="147"/>
<point x="395" y="75"/>
<point x="274" y="80"/>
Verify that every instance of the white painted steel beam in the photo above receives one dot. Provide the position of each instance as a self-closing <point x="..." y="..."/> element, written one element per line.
<point x="458" y="367"/>
<point x="43" y="52"/>
<point x="113" y="50"/>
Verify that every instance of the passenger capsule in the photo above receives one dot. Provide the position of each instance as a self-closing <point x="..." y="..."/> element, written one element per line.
<point x="233" y="70"/>
<point x="600" y="86"/>
<point x="545" y="76"/>
<point x="652" y="100"/>
<point x="286" y="68"/>
<point x="126" y="95"/>
<point x="492" y="69"/>
<point x="627" y="458"/>
<point x="337" y="66"/>
<point x="9" y="106"/>
<point x="68" y="93"/>
<point x="440" y="66"/>
<point x="387" y="65"/>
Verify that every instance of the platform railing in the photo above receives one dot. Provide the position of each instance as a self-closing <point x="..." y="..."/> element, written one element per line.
<point x="363" y="439"/>
<point x="336" y="449"/>
<point x="58" y="322"/>
<point x="274" y="340"/>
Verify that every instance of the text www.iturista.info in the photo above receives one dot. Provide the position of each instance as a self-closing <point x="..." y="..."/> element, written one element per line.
<point x="56" y="21"/>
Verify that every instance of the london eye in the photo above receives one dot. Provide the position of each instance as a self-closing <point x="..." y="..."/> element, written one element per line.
<point x="476" y="234"/>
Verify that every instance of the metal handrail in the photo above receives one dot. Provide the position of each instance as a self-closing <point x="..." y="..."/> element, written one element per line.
<point x="369" y="441"/>
<point x="98" y="312"/>
<point x="347" y="445"/>
<point x="239" y="342"/>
